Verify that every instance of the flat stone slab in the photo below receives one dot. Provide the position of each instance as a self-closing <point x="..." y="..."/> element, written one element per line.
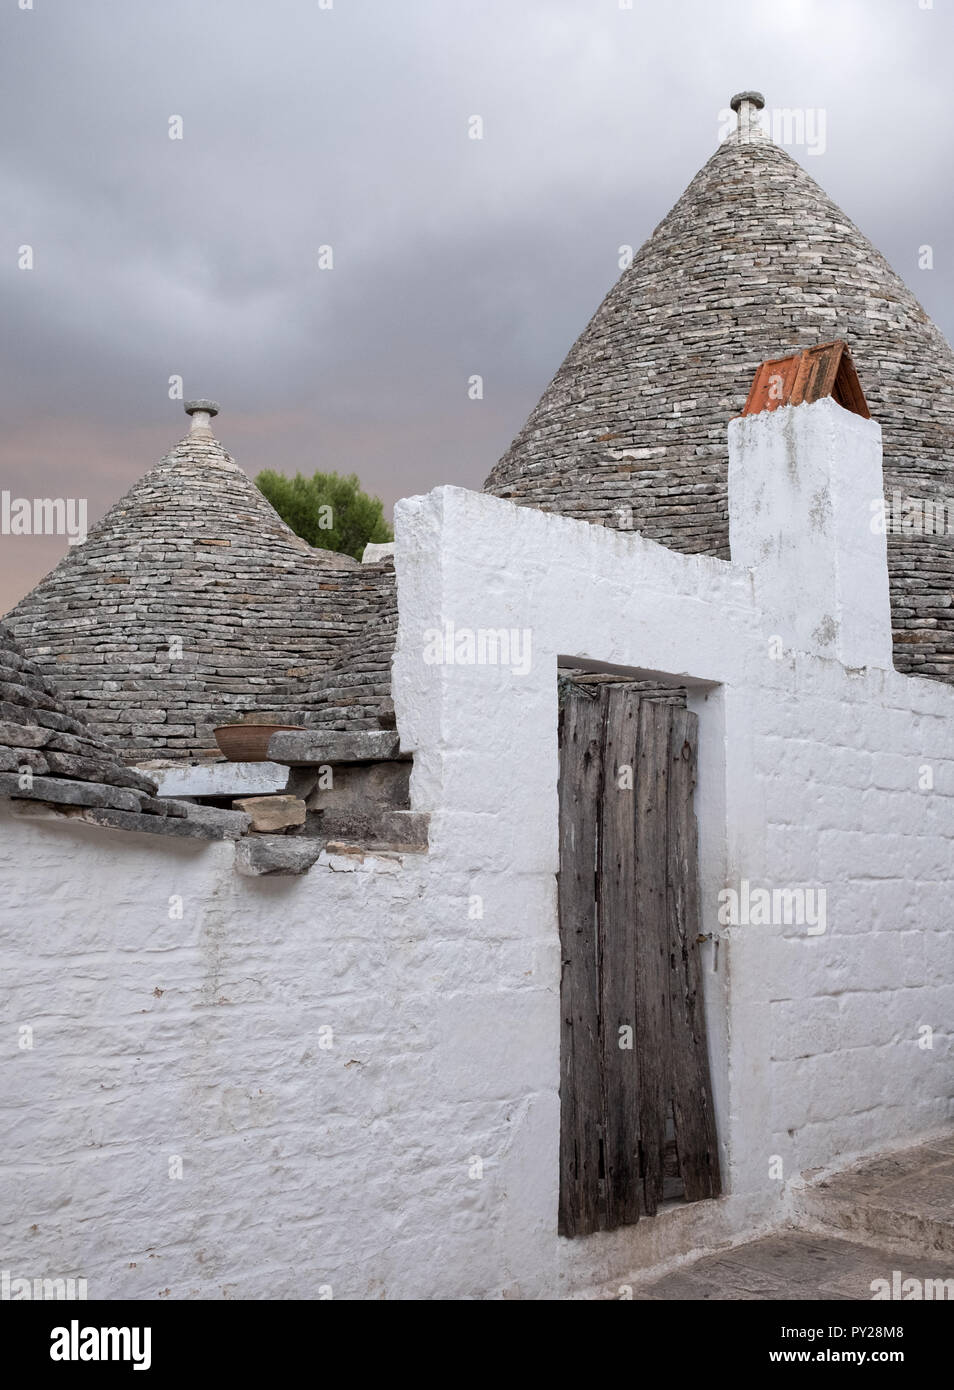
<point x="218" y="779"/>
<point x="14" y="735"/>
<point x="85" y="769"/>
<point x="276" y="854"/>
<point x="13" y="759"/>
<point x="323" y="746"/>
<point x="67" y="793"/>
<point x="230" y="825"/>
<point x="176" y="826"/>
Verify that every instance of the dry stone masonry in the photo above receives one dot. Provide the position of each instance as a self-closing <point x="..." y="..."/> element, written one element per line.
<point x="52" y="762"/>
<point x="191" y="604"/>
<point x="754" y="260"/>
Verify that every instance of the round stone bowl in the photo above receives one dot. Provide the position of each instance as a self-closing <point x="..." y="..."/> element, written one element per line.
<point x="248" y="743"/>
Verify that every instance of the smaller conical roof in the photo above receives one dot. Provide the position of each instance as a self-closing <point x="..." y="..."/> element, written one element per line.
<point x="189" y="603"/>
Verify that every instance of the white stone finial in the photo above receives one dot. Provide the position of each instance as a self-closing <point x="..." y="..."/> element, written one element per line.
<point x="747" y="106"/>
<point x="202" y="413"/>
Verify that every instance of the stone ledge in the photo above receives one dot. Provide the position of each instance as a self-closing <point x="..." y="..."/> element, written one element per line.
<point x="322" y="746"/>
<point x="178" y="826"/>
<point x="68" y="793"/>
<point x="217" y="778"/>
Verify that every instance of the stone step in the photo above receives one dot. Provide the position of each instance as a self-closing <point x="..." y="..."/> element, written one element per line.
<point x="904" y="1198"/>
<point x="316" y="747"/>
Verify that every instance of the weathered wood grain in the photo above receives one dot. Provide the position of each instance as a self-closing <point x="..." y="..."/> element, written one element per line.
<point x="690" y="1080"/>
<point x="580" y="795"/>
<point x="617" y="960"/>
<point x="636" y="1122"/>
<point x="652" y="949"/>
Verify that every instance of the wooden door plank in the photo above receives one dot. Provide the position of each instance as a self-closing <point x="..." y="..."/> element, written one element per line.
<point x="580" y="793"/>
<point x="652" y="951"/>
<point x="690" y="1079"/>
<point x="617" y="959"/>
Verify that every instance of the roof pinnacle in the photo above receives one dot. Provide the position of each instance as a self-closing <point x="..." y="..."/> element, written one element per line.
<point x="202" y="412"/>
<point x="747" y="106"/>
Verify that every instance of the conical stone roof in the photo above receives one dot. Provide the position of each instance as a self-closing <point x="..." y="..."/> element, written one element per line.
<point x="754" y="260"/>
<point x="190" y="603"/>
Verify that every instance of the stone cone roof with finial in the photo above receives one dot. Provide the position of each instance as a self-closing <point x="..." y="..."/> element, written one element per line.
<point x="754" y="261"/>
<point x="191" y="604"/>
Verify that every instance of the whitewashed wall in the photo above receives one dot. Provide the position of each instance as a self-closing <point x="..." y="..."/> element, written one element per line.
<point x="353" y="1169"/>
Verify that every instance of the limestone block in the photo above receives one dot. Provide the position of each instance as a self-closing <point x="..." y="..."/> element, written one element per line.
<point x="275" y="854"/>
<point x="272" y="813"/>
<point x="385" y="830"/>
<point x="23" y="735"/>
<point x="363" y="786"/>
<point x="230" y="825"/>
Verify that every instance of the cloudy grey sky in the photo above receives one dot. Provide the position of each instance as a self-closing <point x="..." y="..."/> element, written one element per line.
<point x="347" y="126"/>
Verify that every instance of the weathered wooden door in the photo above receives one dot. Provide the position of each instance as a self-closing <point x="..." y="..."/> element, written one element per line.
<point x="636" y="1116"/>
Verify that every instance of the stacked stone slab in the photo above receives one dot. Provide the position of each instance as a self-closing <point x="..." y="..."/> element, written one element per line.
<point x="355" y="691"/>
<point x="189" y="605"/>
<point x="48" y="754"/>
<point x="754" y="261"/>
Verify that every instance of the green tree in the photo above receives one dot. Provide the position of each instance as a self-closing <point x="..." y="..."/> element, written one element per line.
<point x="327" y="510"/>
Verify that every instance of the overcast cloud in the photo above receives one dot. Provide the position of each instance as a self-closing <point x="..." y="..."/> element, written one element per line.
<point x="348" y="126"/>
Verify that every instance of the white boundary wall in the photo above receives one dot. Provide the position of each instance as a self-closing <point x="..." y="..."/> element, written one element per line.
<point x="350" y="1170"/>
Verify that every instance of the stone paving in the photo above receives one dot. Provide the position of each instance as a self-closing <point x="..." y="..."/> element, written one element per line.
<point x="797" y="1265"/>
<point x="899" y="1211"/>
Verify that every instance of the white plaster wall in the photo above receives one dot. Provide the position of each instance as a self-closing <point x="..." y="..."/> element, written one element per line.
<point x="351" y="1167"/>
